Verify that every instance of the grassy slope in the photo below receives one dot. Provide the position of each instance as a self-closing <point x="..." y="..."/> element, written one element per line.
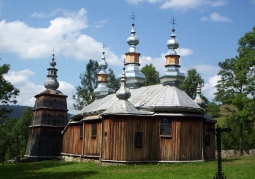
<point x="222" y="120"/>
<point x="234" y="168"/>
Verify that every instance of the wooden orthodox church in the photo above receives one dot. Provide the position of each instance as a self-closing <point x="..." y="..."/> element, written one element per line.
<point x="158" y="123"/>
<point x="49" y="119"/>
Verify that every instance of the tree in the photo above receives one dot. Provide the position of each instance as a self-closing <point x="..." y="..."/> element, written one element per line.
<point x="6" y="139"/>
<point x="151" y="75"/>
<point x="21" y="129"/>
<point x="213" y="109"/>
<point x="190" y="84"/>
<point x="237" y="86"/>
<point x="84" y="94"/>
<point x="8" y="92"/>
<point x="8" y="95"/>
<point x="112" y="81"/>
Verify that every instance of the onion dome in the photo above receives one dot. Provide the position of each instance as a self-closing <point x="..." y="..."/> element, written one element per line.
<point x="102" y="64"/>
<point x="52" y="82"/>
<point x="172" y="76"/>
<point x="123" y="93"/>
<point x="198" y="98"/>
<point x="135" y="78"/>
<point x="102" y="89"/>
<point x="132" y="40"/>
<point x="172" y="44"/>
<point x="122" y="106"/>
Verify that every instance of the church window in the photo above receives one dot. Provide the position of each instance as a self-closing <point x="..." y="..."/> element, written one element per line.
<point x="138" y="139"/>
<point x="94" y="130"/>
<point x="166" y="128"/>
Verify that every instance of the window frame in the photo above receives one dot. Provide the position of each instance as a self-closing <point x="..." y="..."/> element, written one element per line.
<point x="165" y="128"/>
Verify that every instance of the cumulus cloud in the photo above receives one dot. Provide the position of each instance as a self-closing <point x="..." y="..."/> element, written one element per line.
<point x="209" y="87"/>
<point x="216" y="17"/>
<point x="182" y="5"/>
<point x="64" y="33"/>
<point x="20" y="79"/>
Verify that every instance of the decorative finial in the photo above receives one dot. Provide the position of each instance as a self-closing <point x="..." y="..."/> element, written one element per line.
<point x="199" y="100"/>
<point x="53" y="63"/>
<point x="133" y="17"/>
<point x="103" y="46"/>
<point x="124" y="61"/>
<point x="173" y="22"/>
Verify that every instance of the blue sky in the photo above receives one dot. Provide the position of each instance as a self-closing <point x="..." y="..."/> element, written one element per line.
<point x="207" y="30"/>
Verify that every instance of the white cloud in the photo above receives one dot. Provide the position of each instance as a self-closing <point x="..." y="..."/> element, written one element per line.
<point x="63" y="33"/>
<point x="100" y="24"/>
<point x="20" y="79"/>
<point x="184" y="51"/>
<point x="207" y="69"/>
<point x="136" y="2"/>
<point x="39" y="15"/>
<point x="209" y="88"/>
<point x="182" y="5"/>
<point x="216" y="17"/>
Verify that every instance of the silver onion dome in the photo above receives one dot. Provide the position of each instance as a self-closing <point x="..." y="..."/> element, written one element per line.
<point x="123" y="92"/>
<point x="52" y="82"/>
<point x="133" y="40"/>
<point x="172" y="44"/>
<point x="103" y="64"/>
<point x="53" y="63"/>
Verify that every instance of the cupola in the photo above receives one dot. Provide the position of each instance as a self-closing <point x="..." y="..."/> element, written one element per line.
<point x="135" y="78"/>
<point x="172" y="76"/>
<point x="52" y="82"/>
<point x="102" y="89"/>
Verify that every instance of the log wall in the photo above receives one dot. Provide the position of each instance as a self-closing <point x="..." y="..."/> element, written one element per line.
<point x="119" y="143"/>
<point x="209" y="151"/>
<point x="92" y="144"/>
<point x="72" y="143"/>
<point x="42" y="144"/>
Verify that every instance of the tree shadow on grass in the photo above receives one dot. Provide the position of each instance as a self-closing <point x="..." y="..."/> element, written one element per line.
<point x="45" y="169"/>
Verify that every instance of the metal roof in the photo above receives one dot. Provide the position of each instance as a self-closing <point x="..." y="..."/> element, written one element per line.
<point x="150" y="98"/>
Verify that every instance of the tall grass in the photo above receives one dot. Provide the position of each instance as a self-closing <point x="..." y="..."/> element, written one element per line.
<point x="233" y="168"/>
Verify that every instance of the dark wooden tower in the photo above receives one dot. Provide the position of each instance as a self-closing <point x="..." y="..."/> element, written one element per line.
<point x="49" y="119"/>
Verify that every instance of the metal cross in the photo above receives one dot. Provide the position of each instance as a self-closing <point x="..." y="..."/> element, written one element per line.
<point x="173" y="22"/>
<point x="133" y="17"/>
<point x="103" y="46"/>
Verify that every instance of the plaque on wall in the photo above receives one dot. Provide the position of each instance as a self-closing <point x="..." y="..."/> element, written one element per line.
<point x="138" y="139"/>
<point x="166" y="127"/>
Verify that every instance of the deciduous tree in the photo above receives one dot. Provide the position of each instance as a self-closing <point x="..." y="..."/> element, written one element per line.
<point x="237" y="85"/>
<point x="190" y="84"/>
<point x="8" y="92"/>
<point x="84" y="94"/>
<point x="112" y="81"/>
<point x="151" y="75"/>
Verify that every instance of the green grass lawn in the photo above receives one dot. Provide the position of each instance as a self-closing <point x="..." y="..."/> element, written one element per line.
<point x="234" y="168"/>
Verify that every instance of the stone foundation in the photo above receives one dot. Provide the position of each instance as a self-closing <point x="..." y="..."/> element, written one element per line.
<point x="233" y="153"/>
